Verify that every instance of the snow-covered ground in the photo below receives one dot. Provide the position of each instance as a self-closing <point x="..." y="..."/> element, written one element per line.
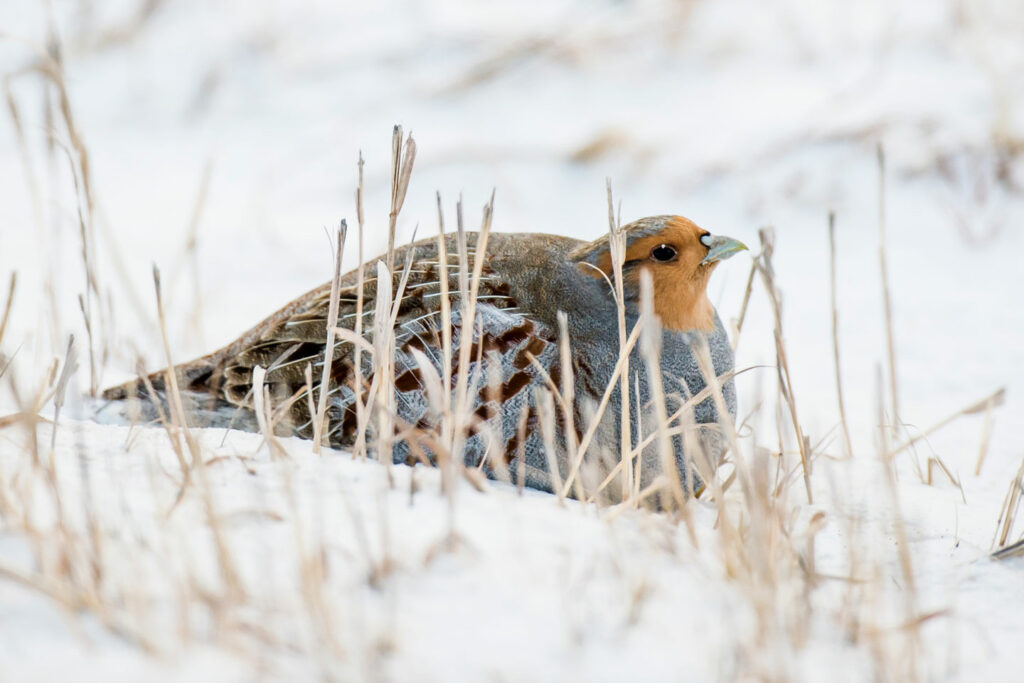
<point x="240" y="124"/>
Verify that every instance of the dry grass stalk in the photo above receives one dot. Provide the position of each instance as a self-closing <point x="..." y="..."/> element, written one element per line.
<point x="650" y="350"/>
<point x="687" y="427"/>
<point x="386" y="310"/>
<point x="546" y="409"/>
<point x="357" y="370"/>
<point x="618" y="372"/>
<point x="384" y="355"/>
<point x="19" y="417"/>
<point x="320" y="418"/>
<point x="768" y="561"/>
<point x="70" y="365"/>
<point x="178" y="424"/>
<point x="909" y="592"/>
<point x="986" y="404"/>
<point x="567" y="397"/>
<point x="890" y="340"/>
<point x="986" y="435"/>
<point x="935" y="462"/>
<point x="311" y="566"/>
<point x="87" y="321"/>
<point x="308" y="374"/>
<point x="469" y="290"/>
<point x="25" y="157"/>
<point x="447" y="460"/>
<point x="747" y="292"/>
<point x="446" y="317"/>
<point x="95" y="552"/>
<point x="383" y="340"/>
<point x="11" y="288"/>
<point x="617" y="250"/>
<point x="73" y="600"/>
<point x="179" y="432"/>
<point x="764" y="266"/>
<point x="700" y="457"/>
<point x="233" y="591"/>
<point x="69" y="567"/>
<point x="835" y="333"/>
<point x="51" y="69"/>
<point x="264" y="418"/>
<point x="402" y="160"/>
<point x="1008" y="514"/>
<point x="165" y="422"/>
<point x="1010" y="551"/>
<point x="85" y="301"/>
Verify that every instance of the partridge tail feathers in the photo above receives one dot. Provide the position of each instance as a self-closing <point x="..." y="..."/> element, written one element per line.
<point x="200" y="385"/>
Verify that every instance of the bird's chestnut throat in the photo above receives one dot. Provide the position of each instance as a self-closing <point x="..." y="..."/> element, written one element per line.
<point x="683" y="305"/>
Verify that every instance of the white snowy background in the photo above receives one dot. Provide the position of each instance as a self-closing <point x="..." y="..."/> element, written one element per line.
<point x="240" y="124"/>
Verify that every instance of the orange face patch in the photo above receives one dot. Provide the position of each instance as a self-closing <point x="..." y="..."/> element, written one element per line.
<point x="673" y="257"/>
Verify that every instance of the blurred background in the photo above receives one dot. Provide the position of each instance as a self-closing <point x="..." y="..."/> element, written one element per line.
<point x="217" y="139"/>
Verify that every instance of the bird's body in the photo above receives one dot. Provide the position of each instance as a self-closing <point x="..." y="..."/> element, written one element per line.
<point x="525" y="281"/>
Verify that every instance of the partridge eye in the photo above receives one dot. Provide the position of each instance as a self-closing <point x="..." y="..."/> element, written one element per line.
<point x="663" y="253"/>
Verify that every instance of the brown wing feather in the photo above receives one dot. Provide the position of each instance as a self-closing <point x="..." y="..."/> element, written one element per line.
<point x="294" y="338"/>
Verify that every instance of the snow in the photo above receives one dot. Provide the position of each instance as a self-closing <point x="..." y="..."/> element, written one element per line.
<point x="738" y="114"/>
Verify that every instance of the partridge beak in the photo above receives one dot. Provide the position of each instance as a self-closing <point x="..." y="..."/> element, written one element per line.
<point x="720" y="248"/>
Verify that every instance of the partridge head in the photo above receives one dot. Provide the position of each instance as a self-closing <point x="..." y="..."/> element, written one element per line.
<point x="680" y="257"/>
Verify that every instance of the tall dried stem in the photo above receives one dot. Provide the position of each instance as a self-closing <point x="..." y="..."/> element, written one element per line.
<point x="332" y="323"/>
<point x="764" y="262"/>
<point x="835" y="332"/>
<point x="890" y="339"/>
<point x="617" y="249"/>
<point x="359" y="450"/>
<point x="6" y="316"/>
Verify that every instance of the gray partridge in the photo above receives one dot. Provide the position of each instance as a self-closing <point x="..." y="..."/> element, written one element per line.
<point x="526" y="280"/>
